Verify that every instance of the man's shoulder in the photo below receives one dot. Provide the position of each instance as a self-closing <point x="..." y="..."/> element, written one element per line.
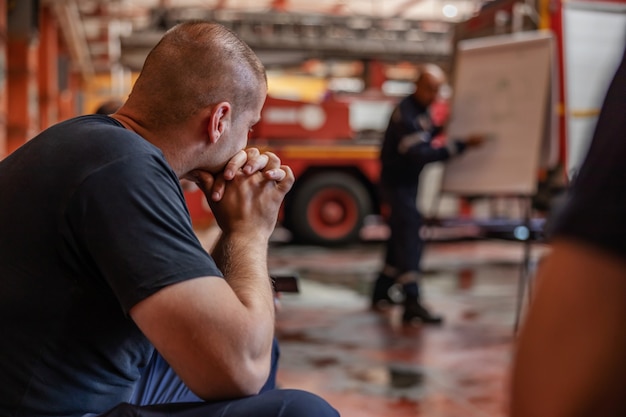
<point x="410" y="108"/>
<point x="87" y="121"/>
<point x="100" y="135"/>
<point x="99" y="148"/>
<point x="102" y="128"/>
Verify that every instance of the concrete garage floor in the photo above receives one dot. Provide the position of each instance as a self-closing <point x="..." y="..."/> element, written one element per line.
<point x="367" y="364"/>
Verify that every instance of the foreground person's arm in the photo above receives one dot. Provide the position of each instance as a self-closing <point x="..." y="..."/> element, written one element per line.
<point x="570" y="359"/>
<point x="217" y="333"/>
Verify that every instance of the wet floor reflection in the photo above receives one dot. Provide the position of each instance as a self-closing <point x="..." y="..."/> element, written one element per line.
<point x="368" y="364"/>
<point x="403" y="376"/>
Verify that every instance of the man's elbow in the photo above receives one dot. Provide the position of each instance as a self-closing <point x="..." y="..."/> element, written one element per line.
<point x="241" y="381"/>
<point x="251" y="380"/>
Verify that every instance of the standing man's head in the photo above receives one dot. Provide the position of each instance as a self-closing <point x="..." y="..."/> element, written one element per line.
<point x="201" y="88"/>
<point x="427" y="85"/>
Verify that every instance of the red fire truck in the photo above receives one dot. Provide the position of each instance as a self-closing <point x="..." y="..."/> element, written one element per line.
<point x="332" y="148"/>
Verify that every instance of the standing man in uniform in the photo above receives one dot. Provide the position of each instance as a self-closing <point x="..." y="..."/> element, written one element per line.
<point x="407" y="147"/>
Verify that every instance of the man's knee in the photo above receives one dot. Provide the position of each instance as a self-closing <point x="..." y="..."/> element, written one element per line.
<point x="121" y="410"/>
<point x="273" y="403"/>
<point x="297" y="403"/>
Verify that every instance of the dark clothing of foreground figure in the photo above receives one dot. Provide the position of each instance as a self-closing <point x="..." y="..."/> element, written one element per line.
<point x="571" y="352"/>
<point x="106" y="294"/>
<point x="80" y="245"/>
<point x="596" y="208"/>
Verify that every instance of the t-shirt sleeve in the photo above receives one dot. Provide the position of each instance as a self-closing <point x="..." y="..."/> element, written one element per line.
<point x="131" y="219"/>
<point x="596" y="208"/>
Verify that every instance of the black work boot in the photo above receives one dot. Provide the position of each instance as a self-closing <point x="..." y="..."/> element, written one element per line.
<point x="414" y="311"/>
<point x="382" y="297"/>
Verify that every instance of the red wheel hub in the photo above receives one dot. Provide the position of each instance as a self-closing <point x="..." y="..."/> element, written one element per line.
<point x="332" y="213"/>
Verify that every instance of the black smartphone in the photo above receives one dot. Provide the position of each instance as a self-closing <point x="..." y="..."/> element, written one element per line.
<point x="285" y="283"/>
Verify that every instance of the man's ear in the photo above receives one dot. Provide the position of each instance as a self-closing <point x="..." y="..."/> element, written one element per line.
<point x="219" y="120"/>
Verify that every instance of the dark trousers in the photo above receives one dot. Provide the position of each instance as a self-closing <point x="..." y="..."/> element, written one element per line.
<point x="160" y="393"/>
<point x="404" y="246"/>
<point x="273" y="403"/>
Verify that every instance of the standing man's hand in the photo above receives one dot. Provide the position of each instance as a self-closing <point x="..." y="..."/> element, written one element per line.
<point x="475" y="140"/>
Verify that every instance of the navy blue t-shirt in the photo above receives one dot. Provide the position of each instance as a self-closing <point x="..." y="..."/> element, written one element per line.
<point x="596" y="210"/>
<point x="92" y="221"/>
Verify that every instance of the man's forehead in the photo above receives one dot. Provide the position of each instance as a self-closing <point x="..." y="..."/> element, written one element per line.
<point x="430" y="78"/>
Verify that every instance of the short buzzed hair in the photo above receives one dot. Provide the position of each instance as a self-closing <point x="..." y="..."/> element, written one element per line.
<point x="197" y="64"/>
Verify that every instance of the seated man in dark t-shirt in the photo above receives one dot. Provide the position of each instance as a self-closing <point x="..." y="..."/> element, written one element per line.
<point x="100" y="269"/>
<point x="571" y="355"/>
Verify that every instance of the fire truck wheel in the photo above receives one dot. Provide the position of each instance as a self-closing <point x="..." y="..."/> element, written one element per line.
<point x="329" y="208"/>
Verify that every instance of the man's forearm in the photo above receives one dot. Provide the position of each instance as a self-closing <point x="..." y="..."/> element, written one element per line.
<point x="243" y="261"/>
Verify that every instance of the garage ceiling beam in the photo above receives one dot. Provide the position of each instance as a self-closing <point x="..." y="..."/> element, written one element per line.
<point x="312" y="36"/>
<point x="71" y="25"/>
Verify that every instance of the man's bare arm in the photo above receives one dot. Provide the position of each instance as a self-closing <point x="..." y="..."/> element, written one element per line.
<point x="217" y="333"/>
<point x="570" y="359"/>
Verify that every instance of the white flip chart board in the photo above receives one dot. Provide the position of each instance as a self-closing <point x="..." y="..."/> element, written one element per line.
<point x="593" y="45"/>
<point x="502" y="87"/>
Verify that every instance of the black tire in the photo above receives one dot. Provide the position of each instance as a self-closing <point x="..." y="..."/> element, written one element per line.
<point x="329" y="208"/>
